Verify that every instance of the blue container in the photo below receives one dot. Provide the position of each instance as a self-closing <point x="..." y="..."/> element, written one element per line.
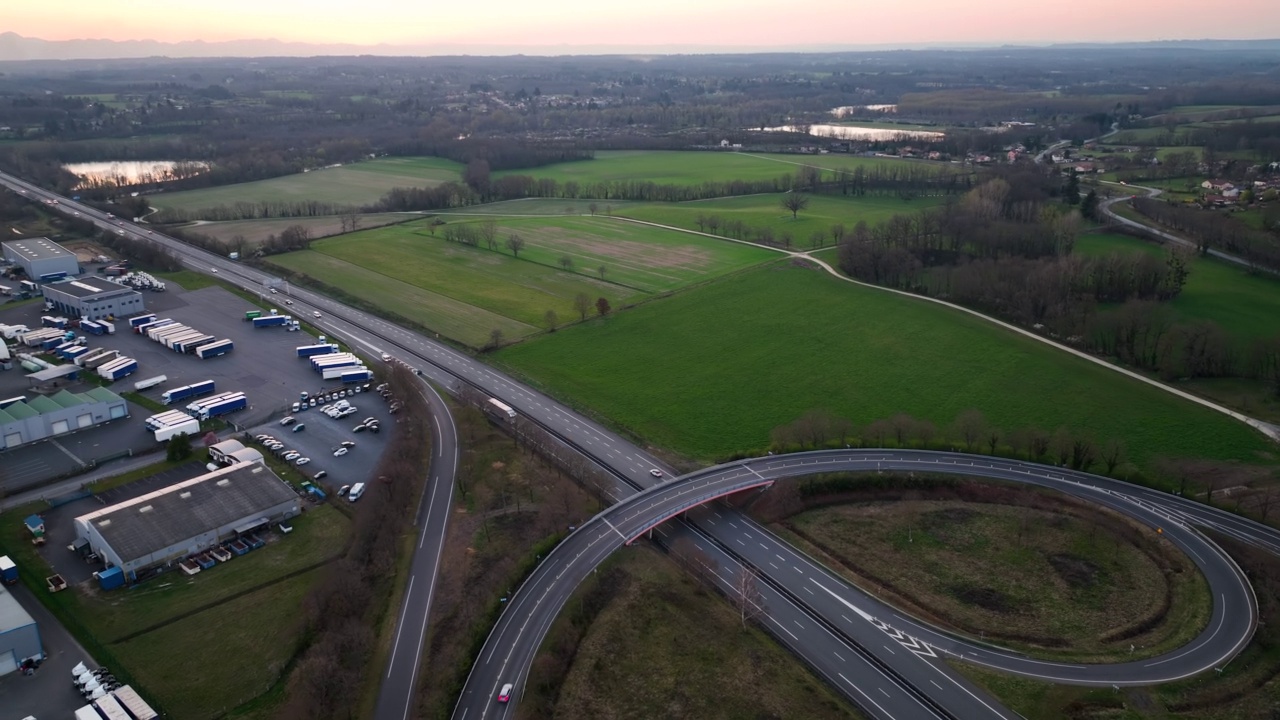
<point x="111" y="578"/>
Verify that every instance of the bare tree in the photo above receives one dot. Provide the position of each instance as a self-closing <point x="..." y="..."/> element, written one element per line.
<point x="1060" y="445"/>
<point x="551" y="319"/>
<point x="495" y="339"/>
<point x="582" y="303"/>
<point x="817" y="239"/>
<point x="566" y="262"/>
<point x="993" y="436"/>
<point x="602" y="306"/>
<point x="489" y="232"/>
<point x="1083" y="453"/>
<point x="747" y="596"/>
<point x="593" y="207"/>
<point x="1113" y="454"/>
<point x="902" y="425"/>
<point x="515" y="244"/>
<point x="970" y="427"/>
<point x="602" y="270"/>
<point x="795" y="202"/>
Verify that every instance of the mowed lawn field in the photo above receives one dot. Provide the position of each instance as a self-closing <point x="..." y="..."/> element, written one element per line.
<point x="1245" y="305"/>
<point x="711" y="371"/>
<point x="467" y="292"/>
<point x="765" y="210"/>
<point x="354" y="184"/>
<point x="673" y="167"/>
<point x="256" y="231"/>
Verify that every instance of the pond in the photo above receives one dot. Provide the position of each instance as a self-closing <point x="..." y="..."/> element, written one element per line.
<point x="123" y="173"/>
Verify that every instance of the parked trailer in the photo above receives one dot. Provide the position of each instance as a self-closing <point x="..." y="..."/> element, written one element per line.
<point x="203" y="387"/>
<point x="134" y="322"/>
<point x="270" y="321"/>
<point x="336" y="373"/>
<point x="251" y="314"/>
<point x="151" y="325"/>
<point x="94" y="327"/>
<point x="171" y="338"/>
<point x="132" y="702"/>
<point x="102" y="358"/>
<point x="108" y="325"/>
<point x="120" y="369"/>
<point x="198" y="405"/>
<point x="313" y="350"/>
<point x="320" y="362"/>
<point x="355" y="376"/>
<point x="36" y="337"/>
<point x="189" y="345"/>
<point x="229" y="405"/>
<point x="11" y="331"/>
<point x="158" y="334"/>
<point x="110" y="708"/>
<point x="168" y="417"/>
<point x="76" y="352"/>
<point x="190" y="428"/>
<point x="149" y="382"/>
<point x="50" y="321"/>
<point x="222" y="347"/>
<point x="87" y="713"/>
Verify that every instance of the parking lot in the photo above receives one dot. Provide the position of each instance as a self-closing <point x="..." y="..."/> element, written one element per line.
<point x="323" y="434"/>
<point x="263" y="365"/>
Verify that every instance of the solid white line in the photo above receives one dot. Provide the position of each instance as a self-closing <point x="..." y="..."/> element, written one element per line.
<point x="401" y="628"/>
<point x="868" y="697"/>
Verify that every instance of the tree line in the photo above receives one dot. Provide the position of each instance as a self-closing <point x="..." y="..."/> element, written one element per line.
<point x="1214" y="231"/>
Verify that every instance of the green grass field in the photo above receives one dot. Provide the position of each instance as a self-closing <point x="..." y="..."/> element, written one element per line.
<point x="766" y="210"/>
<point x="672" y="167"/>
<point x="355" y="184"/>
<point x="711" y="371"/>
<point x="1245" y="305"/>
<point x="466" y="292"/>
<point x="256" y="231"/>
<point x="207" y="664"/>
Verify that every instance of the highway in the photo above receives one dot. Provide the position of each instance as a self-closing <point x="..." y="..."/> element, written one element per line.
<point x="397" y="694"/>
<point x="796" y="612"/>
<point x="509" y="650"/>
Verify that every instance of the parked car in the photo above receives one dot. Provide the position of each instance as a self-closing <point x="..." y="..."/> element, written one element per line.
<point x="302" y="461"/>
<point x="340" y="452"/>
<point x="360" y="428"/>
<point x="343" y="490"/>
<point x="299" y="427"/>
<point x="348" y="443"/>
<point x="321" y="474"/>
<point x="292" y="455"/>
<point x="288" y="420"/>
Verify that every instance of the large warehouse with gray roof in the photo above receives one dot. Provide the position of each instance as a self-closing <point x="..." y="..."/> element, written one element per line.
<point x="187" y="518"/>
<point x="41" y="257"/>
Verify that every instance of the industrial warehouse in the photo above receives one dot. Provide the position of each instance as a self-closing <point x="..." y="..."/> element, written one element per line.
<point x="93" y="298"/>
<point x="187" y="518"/>
<point x="26" y="421"/>
<point x="41" y="258"/>
<point x="19" y="636"/>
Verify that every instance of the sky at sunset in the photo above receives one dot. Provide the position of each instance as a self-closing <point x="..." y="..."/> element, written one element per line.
<point x="651" y="23"/>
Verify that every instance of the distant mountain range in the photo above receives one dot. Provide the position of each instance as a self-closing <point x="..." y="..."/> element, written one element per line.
<point x="15" y="47"/>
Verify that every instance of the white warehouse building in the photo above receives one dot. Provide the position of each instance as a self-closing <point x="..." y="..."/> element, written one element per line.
<point x="187" y="518"/>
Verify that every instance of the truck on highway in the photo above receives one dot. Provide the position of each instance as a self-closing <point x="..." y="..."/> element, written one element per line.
<point x="226" y="405"/>
<point x="204" y="387"/>
<point x="214" y="349"/>
<point x="501" y="409"/>
<point x="306" y="351"/>
<point x="120" y="368"/>
<point x="271" y="321"/>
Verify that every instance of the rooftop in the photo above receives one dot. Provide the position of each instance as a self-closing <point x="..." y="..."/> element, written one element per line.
<point x="157" y="520"/>
<point x="63" y="399"/>
<point x="88" y="287"/>
<point x="37" y="249"/>
<point x="12" y="615"/>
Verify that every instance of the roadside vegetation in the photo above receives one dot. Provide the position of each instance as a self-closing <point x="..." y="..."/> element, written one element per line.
<point x="642" y="638"/>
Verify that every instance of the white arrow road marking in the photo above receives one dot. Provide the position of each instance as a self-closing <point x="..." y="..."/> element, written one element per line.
<point x="918" y="647"/>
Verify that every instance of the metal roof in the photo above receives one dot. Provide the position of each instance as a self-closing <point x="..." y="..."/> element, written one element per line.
<point x="12" y="615"/>
<point x="88" y="287"/>
<point x="63" y="399"/>
<point x="38" y="249"/>
<point x="138" y="527"/>
<point x="53" y="373"/>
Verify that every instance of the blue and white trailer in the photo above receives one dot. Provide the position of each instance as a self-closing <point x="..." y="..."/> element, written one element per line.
<point x="107" y="325"/>
<point x="189" y="345"/>
<point x="198" y="404"/>
<point x="204" y="387"/>
<point x="270" y="321"/>
<point x="222" y="407"/>
<point x="214" y="349"/>
<point x="122" y="368"/>
<point x="50" y="321"/>
<point x="356" y="376"/>
<point x="158" y="334"/>
<point x="76" y="352"/>
<point x="321" y="361"/>
<point x="97" y="358"/>
<point x="144" y="328"/>
<point x="335" y="373"/>
<point x="134" y="322"/>
<point x="168" y="339"/>
<point x="91" y="326"/>
<point x="306" y="351"/>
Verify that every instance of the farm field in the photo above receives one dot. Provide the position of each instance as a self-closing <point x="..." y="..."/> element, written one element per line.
<point x="354" y="184"/>
<point x="1244" y="305"/>
<point x="256" y="231"/>
<point x="671" y="167"/>
<point x="466" y="292"/>
<point x="712" y="371"/>
<point x="765" y="210"/>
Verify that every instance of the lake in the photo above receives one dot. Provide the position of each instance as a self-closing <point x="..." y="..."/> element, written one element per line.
<point x="123" y="173"/>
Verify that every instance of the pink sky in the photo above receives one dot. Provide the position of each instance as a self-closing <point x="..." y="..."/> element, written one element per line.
<point x="703" y="23"/>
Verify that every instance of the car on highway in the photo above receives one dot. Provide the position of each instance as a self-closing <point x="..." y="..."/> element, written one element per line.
<point x="316" y="314"/>
<point x="274" y="291"/>
<point x="505" y="693"/>
<point x="656" y="472"/>
<point x="386" y="357"/>
<point x="213" y="270"/>
<point x="288" y="302"/>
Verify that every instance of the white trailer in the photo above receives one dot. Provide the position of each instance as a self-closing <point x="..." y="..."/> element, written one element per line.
<point x="110" y="708"/>
<point x="132" y="702"/>
<point x="149" y="382"/>
<point x="191" y="428"/>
